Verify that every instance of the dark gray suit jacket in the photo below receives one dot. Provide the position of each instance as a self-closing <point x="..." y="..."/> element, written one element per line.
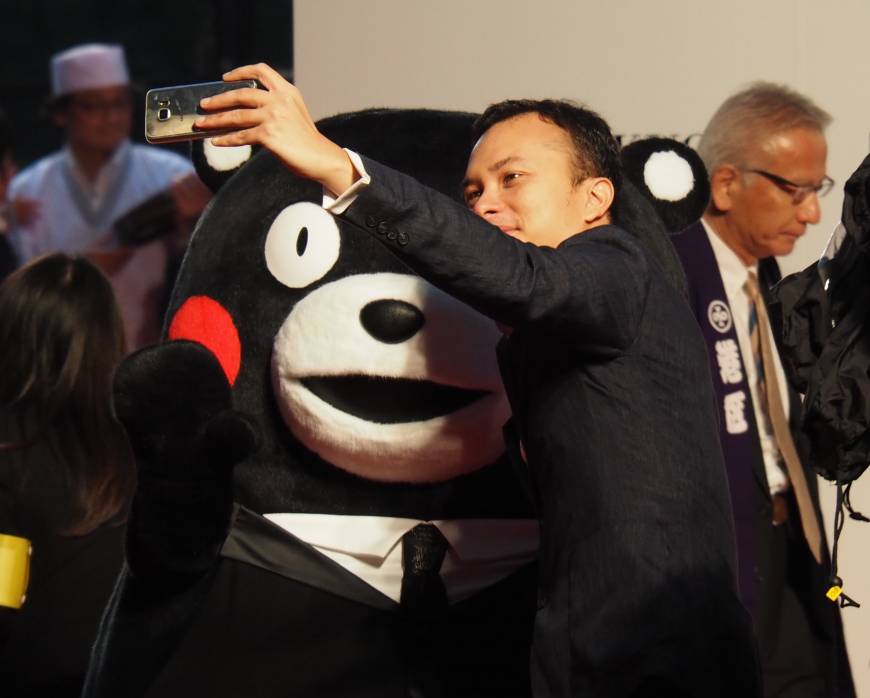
<point x="607" y="376"/>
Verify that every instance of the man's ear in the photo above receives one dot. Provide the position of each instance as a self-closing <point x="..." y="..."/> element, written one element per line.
<point x="599" y="199"/>
<point x="723" y="180"/>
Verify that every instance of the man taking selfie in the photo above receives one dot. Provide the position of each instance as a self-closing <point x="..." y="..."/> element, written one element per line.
<point x="605" y="369"/>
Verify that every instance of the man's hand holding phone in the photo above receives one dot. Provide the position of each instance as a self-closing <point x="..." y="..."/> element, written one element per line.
<point x="276" y="118"/>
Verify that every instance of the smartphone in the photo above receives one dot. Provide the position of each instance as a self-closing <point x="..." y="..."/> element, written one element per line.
<point x="171" y="111"/>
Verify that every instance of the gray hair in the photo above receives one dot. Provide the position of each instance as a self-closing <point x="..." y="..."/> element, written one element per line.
<point x="753" y="115"/>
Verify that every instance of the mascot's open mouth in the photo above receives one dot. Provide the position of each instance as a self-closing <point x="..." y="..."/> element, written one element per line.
<point x="390" y="400"/>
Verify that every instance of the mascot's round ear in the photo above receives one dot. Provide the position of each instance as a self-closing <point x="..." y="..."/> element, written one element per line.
<point x="634" y="212"/>
<point x="671" y="176"/>
<point x="216" y="165"/>
<point x="431" y="143"/>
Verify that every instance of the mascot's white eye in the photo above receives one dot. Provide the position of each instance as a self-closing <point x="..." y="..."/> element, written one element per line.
<point x="302" y="245"/>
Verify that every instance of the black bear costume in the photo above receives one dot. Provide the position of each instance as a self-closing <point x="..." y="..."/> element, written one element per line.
<point x="311" y="373"/>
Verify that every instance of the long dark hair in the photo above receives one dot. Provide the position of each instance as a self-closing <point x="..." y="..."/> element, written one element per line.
<point x="61" y="336"/>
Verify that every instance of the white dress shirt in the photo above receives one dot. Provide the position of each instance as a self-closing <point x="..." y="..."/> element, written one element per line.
<point x="340" y="204"/>
<point x="480" y="552"/>
<point x="76" y="215"/>
<point x="734" y="274"/>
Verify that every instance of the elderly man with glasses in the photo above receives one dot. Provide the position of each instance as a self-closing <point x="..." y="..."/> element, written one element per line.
<point x="765" y="151"/>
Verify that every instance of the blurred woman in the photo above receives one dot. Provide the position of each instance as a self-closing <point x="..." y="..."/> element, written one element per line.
<point x="66" y="473"/>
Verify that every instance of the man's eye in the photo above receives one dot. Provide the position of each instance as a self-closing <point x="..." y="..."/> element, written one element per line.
<point x="510" y="178"/>
<point x="471" y="196"/>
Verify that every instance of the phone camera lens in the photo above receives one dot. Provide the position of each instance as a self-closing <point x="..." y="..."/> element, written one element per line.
<point x="163" y="114"/>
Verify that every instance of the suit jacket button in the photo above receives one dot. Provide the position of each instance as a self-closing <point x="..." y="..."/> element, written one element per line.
<point x="383" y="228"/>
<point x="391" y="235"/>
<point x="402" y="238"/>
<point x="371" y="221"/>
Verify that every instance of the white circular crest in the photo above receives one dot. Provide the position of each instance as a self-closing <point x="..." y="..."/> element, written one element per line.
<point x="719" y="315"/>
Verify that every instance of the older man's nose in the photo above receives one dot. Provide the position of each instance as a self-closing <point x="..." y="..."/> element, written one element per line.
<point x="809" y="210"/>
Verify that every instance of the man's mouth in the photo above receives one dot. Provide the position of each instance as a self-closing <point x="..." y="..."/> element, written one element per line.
<point x="390" y="400"/>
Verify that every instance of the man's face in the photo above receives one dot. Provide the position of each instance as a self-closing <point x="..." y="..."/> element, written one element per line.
<point x="764" y="218"/>
<point x="521" y="177"/>
<point x="97" y="120"/>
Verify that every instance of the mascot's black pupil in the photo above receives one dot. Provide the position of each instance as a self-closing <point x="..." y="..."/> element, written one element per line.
<point x="302" y="241"/>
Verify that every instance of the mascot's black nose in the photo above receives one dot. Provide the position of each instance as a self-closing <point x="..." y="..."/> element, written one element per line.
<point x="391" y="321"/>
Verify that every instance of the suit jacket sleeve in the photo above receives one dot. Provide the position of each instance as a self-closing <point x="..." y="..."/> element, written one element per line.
<point x="590" y="291"/>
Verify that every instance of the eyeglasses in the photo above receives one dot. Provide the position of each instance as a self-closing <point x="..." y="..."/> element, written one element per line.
<point x="798" y="192"/>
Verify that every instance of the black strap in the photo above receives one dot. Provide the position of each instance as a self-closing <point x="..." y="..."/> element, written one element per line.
<point x="836" y="583"/>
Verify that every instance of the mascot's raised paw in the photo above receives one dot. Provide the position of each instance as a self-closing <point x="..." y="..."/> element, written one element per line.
<point x="175" y="402"/>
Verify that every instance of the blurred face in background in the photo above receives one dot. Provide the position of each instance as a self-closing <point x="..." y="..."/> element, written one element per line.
<point x="98" y="120"/>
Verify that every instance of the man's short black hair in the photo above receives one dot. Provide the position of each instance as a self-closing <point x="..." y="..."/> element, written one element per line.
<point x="596" y="152"/>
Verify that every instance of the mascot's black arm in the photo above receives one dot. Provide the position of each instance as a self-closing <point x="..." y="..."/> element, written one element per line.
<point x="175" y="403"/>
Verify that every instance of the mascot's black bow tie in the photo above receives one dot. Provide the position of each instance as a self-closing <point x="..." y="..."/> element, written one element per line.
<point x="423" y="593"/>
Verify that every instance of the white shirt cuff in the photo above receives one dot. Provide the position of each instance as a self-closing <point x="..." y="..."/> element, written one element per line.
<point x="340" y="205"/>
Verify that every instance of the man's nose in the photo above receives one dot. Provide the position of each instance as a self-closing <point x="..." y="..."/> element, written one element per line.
<point x="487" y="203"/>
<point x="809" y="210"/>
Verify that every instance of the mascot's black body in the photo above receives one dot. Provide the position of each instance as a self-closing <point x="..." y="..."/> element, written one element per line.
<point x="310" y="372"/>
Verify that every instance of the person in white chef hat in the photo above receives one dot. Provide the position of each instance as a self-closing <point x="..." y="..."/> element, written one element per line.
<point x="73" y="200"/>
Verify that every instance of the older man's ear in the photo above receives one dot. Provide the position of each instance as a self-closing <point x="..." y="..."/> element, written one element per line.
<point x="723" y="180"/>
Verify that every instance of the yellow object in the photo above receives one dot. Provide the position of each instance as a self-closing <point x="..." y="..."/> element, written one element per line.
<point x="834" y="592"/>
<point x="14" y="570"/>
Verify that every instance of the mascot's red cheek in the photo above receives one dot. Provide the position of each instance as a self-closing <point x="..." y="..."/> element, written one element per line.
<point x="204" y="320"/>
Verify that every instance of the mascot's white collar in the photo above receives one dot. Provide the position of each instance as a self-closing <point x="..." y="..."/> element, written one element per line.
<point x="481" y="552"/>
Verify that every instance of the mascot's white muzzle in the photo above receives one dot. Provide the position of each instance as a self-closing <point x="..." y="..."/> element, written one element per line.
<point x="391" y="379"/>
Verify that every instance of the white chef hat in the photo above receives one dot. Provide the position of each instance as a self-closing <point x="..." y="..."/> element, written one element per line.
<point x="88" y="67"/>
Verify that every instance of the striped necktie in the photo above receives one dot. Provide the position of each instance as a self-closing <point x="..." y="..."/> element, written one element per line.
<point x="423" y="594"/>
<point x="771" y="400"/>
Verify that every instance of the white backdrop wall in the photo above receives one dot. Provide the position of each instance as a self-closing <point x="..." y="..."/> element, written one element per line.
<point x="648" y="68"/>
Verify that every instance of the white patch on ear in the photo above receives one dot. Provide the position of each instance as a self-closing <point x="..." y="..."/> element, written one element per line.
<point x="224" y="159"/>
<point x="668" y="176"/>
